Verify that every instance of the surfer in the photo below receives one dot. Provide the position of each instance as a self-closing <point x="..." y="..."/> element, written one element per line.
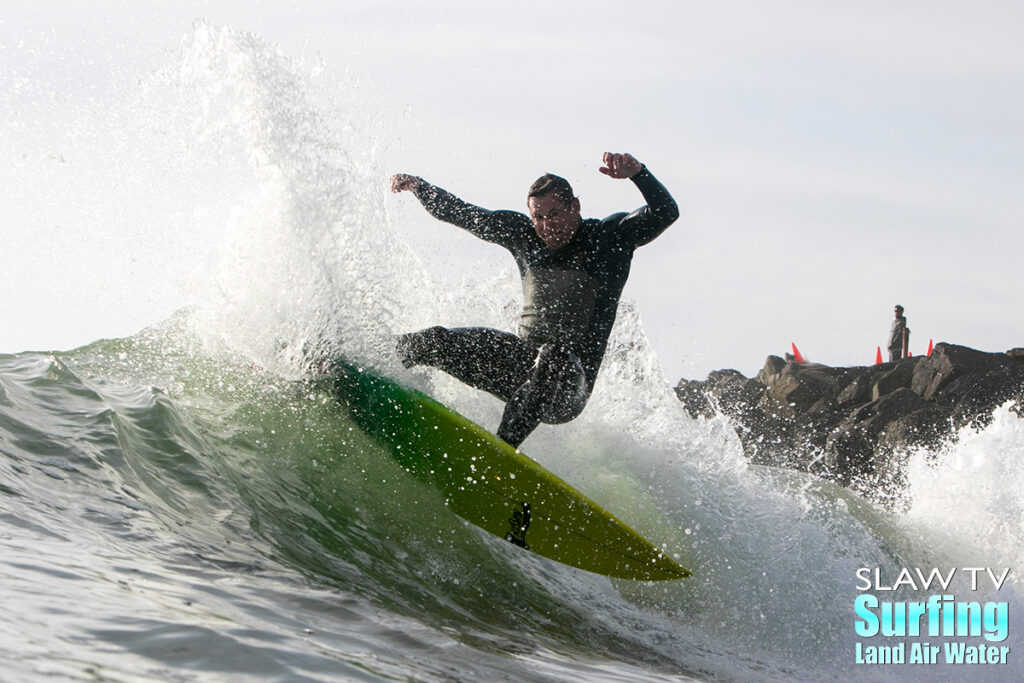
<point x="573" y="271"/>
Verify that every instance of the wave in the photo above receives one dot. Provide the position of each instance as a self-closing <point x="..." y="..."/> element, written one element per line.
<point x="190" y="480"/>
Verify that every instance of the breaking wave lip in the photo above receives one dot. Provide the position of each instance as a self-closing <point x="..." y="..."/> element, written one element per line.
<point x="969" y="495"/>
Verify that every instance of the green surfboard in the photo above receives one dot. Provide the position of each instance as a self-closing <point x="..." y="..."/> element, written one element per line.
<point x="492" y="485"/>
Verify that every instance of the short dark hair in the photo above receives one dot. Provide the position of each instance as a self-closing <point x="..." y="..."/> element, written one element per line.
<point x="549" y="183"/>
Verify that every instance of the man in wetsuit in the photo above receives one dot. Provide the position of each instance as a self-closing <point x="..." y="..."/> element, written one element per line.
<point x="573" y="272"/>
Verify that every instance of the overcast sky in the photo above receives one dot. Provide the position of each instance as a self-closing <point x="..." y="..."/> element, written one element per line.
<point x="831" y="158"/>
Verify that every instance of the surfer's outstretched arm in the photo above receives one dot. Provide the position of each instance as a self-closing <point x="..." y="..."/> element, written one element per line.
<point x="500" y="227"/>
<point x="647" y="222"/>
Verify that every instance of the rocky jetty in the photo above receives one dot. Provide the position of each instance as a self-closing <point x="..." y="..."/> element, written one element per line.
<point x="856" y="425"/>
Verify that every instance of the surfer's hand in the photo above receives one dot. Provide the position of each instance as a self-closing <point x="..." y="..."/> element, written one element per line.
<point x="620" y="165"/>
<point x="401" y="182"/>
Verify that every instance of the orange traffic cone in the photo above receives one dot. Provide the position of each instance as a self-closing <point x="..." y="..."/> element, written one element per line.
<point x="878" y="355"/>
<point x="796" y="354"/>
<point x="929" y="348"/>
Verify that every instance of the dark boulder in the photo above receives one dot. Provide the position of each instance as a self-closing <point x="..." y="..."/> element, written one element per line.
<point x="899" y="376"/>
<point x="850" y="451"/>
<point x="949" y="362"/>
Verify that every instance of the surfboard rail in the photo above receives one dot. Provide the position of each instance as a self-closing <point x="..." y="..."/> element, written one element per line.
<point x="491" y="484"/>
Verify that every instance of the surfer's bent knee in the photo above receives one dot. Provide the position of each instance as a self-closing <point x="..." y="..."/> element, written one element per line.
<point x="560" y="369"/>
<point x="417" y="348"/>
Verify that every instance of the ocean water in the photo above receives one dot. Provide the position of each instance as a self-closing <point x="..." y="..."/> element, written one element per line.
<point x="184" y="503"/>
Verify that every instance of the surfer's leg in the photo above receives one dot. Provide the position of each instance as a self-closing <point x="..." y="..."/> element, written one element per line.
<point x="556" y="392"/>
<point x="491" y="360"/>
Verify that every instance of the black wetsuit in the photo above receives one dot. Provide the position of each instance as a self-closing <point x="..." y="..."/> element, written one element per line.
<point x="546" y="373"/>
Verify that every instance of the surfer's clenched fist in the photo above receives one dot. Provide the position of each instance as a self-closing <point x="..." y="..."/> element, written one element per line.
<point x="401" y="182"/>
<point x="620" y="165"/>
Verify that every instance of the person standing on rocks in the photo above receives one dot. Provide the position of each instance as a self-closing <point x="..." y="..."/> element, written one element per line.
<point x="899" y="336"/>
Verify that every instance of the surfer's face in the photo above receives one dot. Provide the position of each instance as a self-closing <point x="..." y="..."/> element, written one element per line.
<point x="554" y="220"/>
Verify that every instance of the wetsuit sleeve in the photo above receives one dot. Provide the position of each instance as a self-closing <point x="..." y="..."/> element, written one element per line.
<point x="647" y="222"/>
<point x="499" y="227"/>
